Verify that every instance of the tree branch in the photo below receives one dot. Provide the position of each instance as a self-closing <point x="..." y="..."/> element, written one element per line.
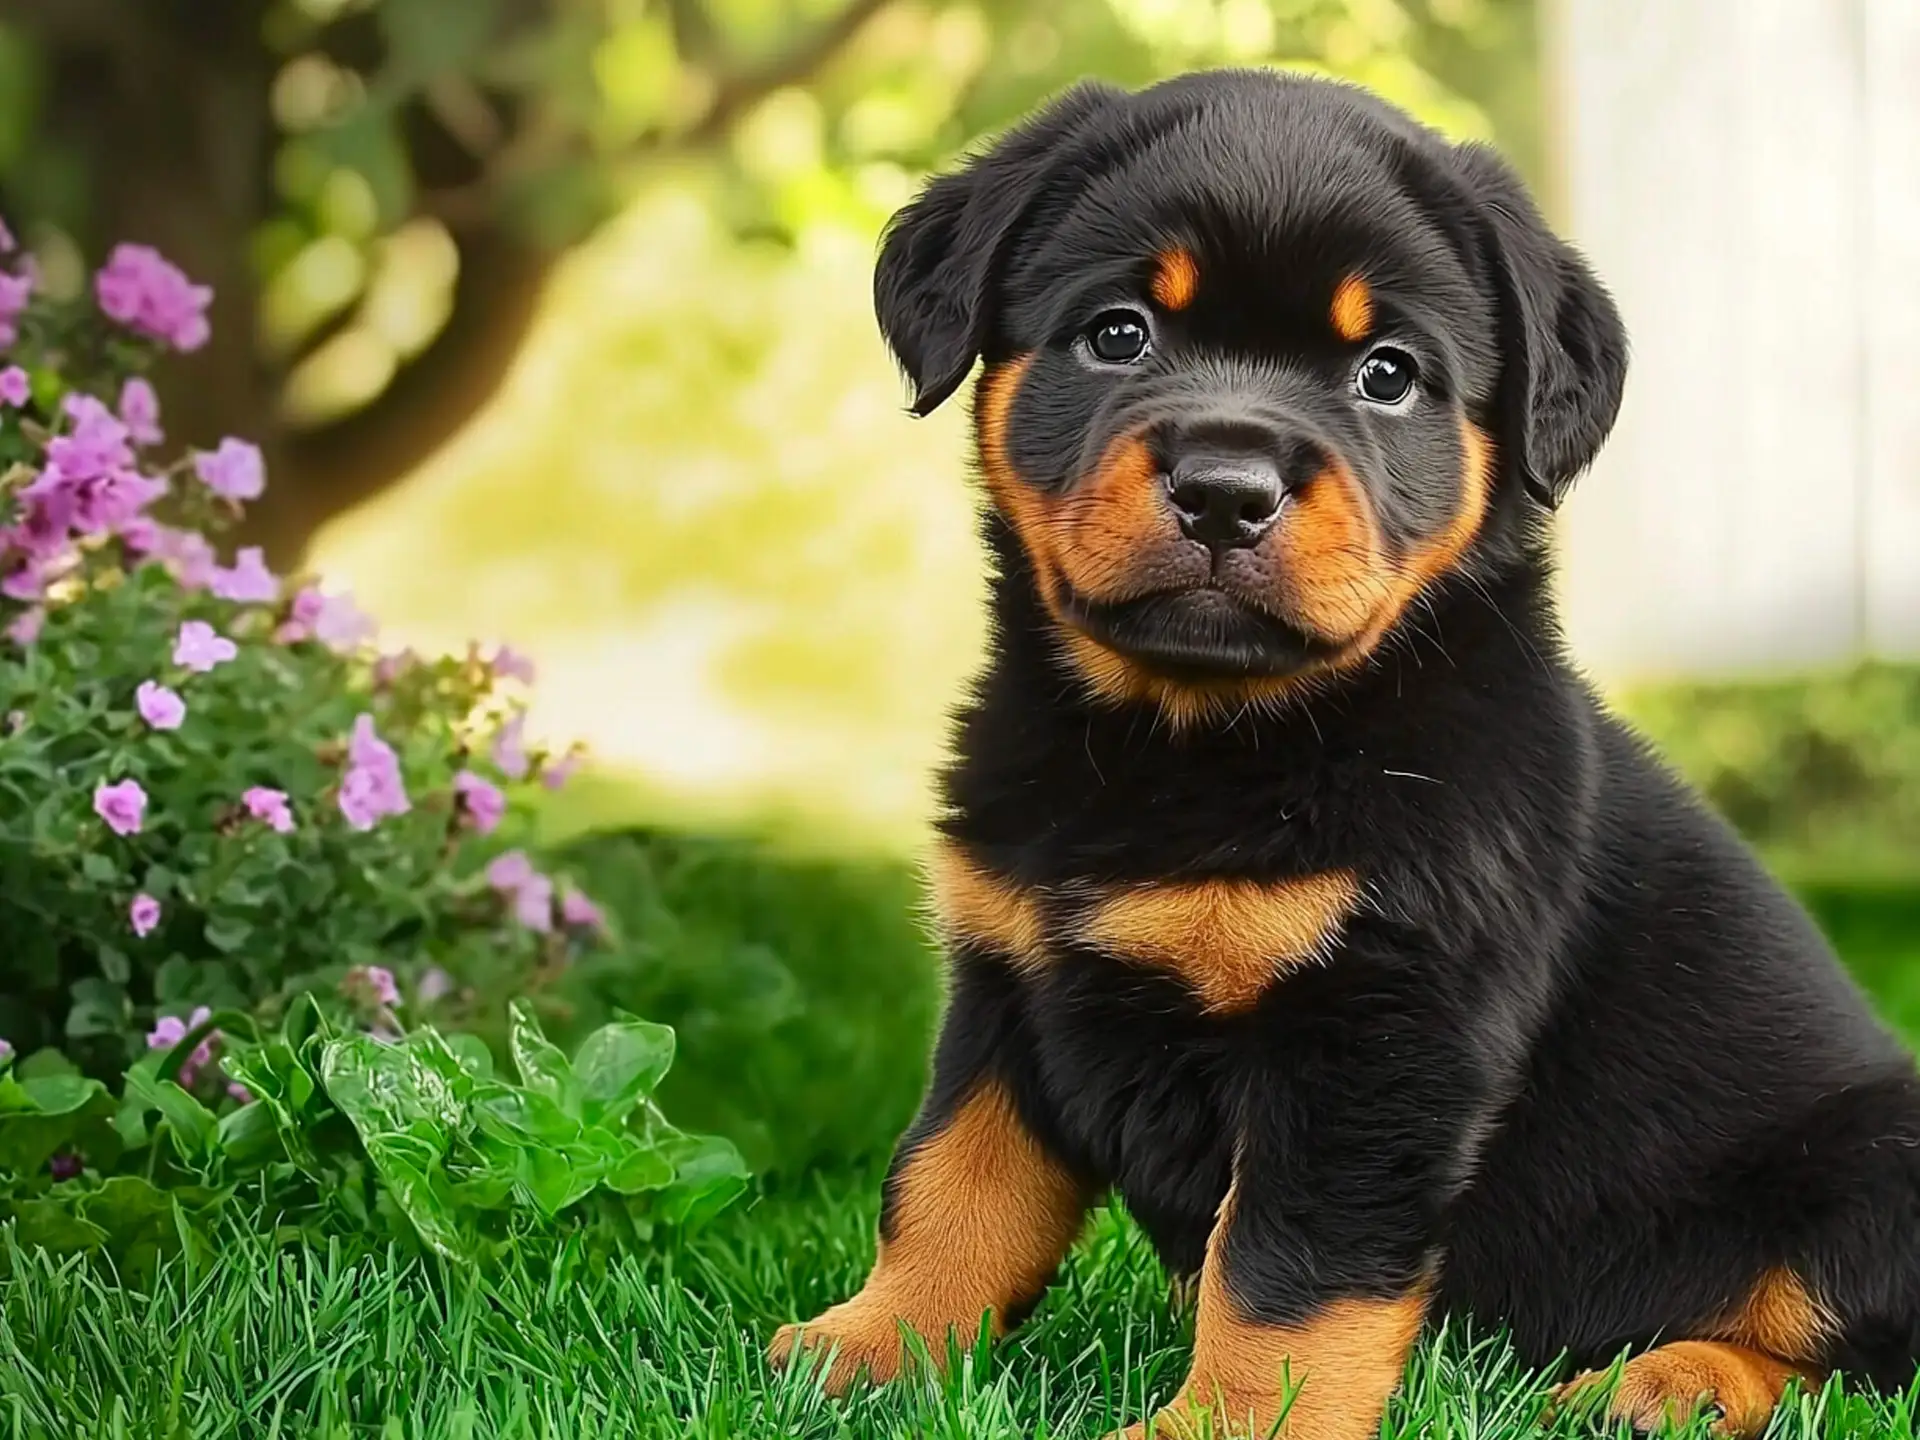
<point x="739" y="93"/>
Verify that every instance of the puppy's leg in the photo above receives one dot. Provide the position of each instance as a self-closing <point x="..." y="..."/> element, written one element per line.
<point x="976" y="1214"/>
<point x="1674" y="1382"/>
<point x="1326" y="1375"/>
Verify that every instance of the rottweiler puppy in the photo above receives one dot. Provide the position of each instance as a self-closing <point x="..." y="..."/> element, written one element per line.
<point x="1296" y="886"/>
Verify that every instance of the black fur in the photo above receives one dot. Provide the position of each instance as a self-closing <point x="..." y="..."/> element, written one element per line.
<point x="1577" y="1059"/>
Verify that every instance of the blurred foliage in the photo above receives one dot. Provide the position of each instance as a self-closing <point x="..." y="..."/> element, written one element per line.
<point x="1822" y="773"/>
<point x="385" y="131"/>
<point x="802" y="990"/>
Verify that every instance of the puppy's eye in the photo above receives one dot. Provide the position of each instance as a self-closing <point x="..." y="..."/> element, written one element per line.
<point x="1386" y="376"/>
<point x="1117" y="337"/>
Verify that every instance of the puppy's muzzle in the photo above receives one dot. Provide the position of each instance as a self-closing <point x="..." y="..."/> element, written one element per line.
<point x="1227" y="483"/>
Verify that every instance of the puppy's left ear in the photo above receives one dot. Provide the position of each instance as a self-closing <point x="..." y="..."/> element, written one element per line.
<point x="940" y="254"/>
<point x="1563" y="348"/>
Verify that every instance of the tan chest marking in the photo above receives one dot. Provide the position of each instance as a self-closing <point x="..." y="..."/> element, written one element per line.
<point x="1228" y="939"/>
<point x="973" y="906"/>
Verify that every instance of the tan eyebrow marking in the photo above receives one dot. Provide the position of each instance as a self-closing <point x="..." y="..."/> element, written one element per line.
<point x="1352" y="312"/>
<point x="1176" y="278"/>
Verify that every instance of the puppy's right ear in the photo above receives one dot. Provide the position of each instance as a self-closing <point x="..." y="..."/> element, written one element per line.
<point x="941" y="253"/>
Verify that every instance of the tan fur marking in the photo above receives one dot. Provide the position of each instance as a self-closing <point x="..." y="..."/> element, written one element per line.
<point x="1780" y="1316"/>
<point x="1176" y="278"/>
<point x="1100" y="530"/>
<point x="1334" y="570"/>
<point x="978" y="907"/>
<point x="981" y="1218"/>
<point x="1352" y="312"/>
<point x="1671" y="1383"/>
<point x="1228" y="939"/>
<point x="1339" y="1367"/>
<point x="1340" y="584"/>
<point x="1338" y="579"/>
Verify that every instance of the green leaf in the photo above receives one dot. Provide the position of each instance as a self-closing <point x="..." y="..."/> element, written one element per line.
<point x="40" y="1117"/>
<point x="472" y="1053"/>
<point x="411" y="1170"/>
<point x="521" y="1117"/>
<point x="619" y="1065"/>
<point x="49" y="1224"/>
<point x="190" y="1123"/>
<point x="45" y="1061"/>
<point x="643" y="1168"/>
<point x="250" y="1136"/>
<point x="541" y="1065"/>
<point x="62" y="1094"/>
<point x="99" y="868"/>
<point x="99" y="1008"/>
<point x="710" y="1176"/>
<point x="228" y="935"/>
<point x="387" y="1089"/>
<point x="114" y="966"/>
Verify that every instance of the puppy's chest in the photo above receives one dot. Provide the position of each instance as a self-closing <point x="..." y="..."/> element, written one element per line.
<point x="1220" y="941"/>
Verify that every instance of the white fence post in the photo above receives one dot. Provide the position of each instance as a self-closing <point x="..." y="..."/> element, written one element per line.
<point x="1745" y="175"/>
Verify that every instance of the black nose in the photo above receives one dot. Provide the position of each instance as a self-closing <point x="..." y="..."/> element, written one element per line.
<point x="1225" y="501"/>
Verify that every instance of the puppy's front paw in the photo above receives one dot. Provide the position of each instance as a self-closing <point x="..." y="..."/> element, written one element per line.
<point x="1186" y="1419"/>
<point x="865" y="1339"/>
<point x="1674" y="1382"/>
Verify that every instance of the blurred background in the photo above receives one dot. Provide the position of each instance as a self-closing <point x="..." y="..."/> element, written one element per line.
<point x="553" y="318"/>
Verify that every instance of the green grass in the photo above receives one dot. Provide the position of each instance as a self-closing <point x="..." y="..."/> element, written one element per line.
<point x="552" y="1343"/>
<point x="303" y="1342"/>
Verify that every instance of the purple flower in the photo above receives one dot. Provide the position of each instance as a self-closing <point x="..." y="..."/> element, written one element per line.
<point x="334" y="620"/>
<point x="187" y="553"/>
<point x="560" y="771"/>
<point x="510" y="748"/>
<point x="28" y="582"/>
<point x="159" y="707"/>
<point x="511" y="665"/>
<point x="25" y="628"/>
<point x="123" y="806"/>
<point x="170" y="1030"/>
<point x="375" y="982"/>
<point x="15" y="389"/>
<point x="480" y="801"/>
<point x="509" y="871"/>
<point x="270" y="806"/>
<point x="249" y="582"/>
<point x="239" y="1092"/>
<point x="144" y="913"/>
<point x="6" y="1051"/>
<point x="140" y="412"/>
<point x="65" y="1165"/>
<point x="581" y="913"/>
<point x="96" y="446"/>
<point x="533" y="904"/>
<point x="436" y="984"/>
<point x="200" y="647"/>
<point x="15" y="292"/>
<point x="139" y="288"/>
<point x="341" y="624"/>
<point x="235" y="471"/>
<point x="372" y="786"/>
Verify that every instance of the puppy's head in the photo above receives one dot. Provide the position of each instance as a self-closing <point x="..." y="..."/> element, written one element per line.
<point x="1265" y="361"/>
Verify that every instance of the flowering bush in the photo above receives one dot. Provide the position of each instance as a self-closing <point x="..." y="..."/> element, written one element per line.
<point x="215" y="793"/>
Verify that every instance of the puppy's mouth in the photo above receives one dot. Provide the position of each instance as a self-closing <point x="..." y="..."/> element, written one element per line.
<point x="1204" y="632"/>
